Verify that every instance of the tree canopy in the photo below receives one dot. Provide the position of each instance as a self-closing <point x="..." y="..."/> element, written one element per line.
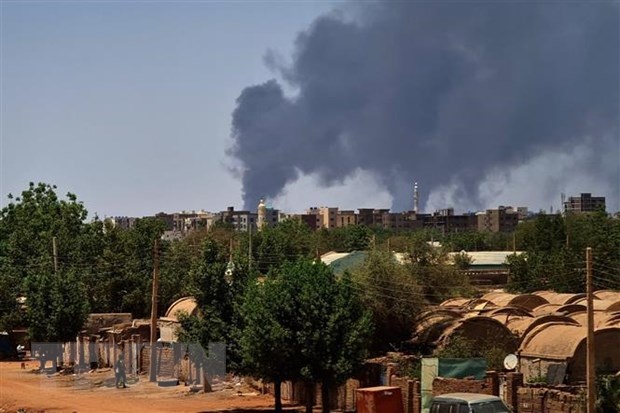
<point x="304" y="324"/>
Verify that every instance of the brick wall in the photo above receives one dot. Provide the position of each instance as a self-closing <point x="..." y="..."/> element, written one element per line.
<point x="513" y="382"/>
<point x="548" y="400"/>
<point x="410" y="390"/>
<point x="490" y="385"/>
<point x="145" y="359"/>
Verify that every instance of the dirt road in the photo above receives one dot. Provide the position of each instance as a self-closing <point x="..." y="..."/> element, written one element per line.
<point x="95" y="392"/>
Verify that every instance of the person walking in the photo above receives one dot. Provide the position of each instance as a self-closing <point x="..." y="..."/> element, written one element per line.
<point x="119" y="372"/>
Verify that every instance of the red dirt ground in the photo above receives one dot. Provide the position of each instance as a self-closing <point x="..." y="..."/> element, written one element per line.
<point x="95" y="392"/>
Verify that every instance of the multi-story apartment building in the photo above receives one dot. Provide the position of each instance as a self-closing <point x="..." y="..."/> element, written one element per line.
<point x="502" y="219"/>
<point x="584" y="203"/>
<point x="240" y="220"/>
<point x="446" y="221"/>
<point x="371" y="217"/>
<point x="325" y="217"/>
<point x="123" y="222"/>
<point x="328" y="217"/>
<point x="399" y="221"/>
<point x="185" y="221"/>
<point x="346" y="218"/>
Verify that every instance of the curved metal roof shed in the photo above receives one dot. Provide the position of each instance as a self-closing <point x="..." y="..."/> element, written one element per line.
<point x="565" y="344"/>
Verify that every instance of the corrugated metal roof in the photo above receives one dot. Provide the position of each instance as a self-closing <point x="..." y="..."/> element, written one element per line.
<point x="330" y="257"/>
<point x="559" y="298"/>
<point x="342" y="261"/>
<point x="528" y="301"/>
<point x="607" y="295"/>
<point x="543" y="341"/>
<point x="495" y="258"/>
<point x="558" y="341"/>
<point x="601" y="305"/>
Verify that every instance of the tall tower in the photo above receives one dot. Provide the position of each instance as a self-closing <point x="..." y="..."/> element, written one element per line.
<point x="416" y="198"/>
<point x="262" y="215"/>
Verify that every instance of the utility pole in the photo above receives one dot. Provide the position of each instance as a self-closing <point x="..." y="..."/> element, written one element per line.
<point x="250" y="248"/>
<point x="55" y="252"/>
<point x="153" y="362"/>
<point x="590" y="373"/>
<point x="514" y="242"/>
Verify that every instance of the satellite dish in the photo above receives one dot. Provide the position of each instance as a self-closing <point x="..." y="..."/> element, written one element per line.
<point x="510" y="362"/>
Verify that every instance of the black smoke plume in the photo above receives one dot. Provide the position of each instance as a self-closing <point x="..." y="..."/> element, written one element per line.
<point x="436" y="92"/>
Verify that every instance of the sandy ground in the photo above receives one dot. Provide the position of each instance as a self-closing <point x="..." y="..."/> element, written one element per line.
<point x="95" y="392"/>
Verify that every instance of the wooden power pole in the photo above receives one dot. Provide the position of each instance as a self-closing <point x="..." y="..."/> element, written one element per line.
<point x="590" y="373"/>
<point x="153" y="362"/>
<point x="55" y="252"/>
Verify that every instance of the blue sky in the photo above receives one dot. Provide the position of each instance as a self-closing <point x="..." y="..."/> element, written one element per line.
<point x="128" y="104"/>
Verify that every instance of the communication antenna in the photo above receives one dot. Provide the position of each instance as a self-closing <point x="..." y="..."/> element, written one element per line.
<point x="416" y="198"/>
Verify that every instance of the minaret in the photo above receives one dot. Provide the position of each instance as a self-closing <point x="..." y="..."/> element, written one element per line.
<point x="416" y="198"/>
<point x="262" y="215"/>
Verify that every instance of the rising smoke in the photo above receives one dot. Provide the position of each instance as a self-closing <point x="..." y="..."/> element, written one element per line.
<point x="445" y="93"/>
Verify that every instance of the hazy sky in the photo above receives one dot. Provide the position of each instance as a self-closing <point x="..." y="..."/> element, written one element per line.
<point x="128" y="105"/>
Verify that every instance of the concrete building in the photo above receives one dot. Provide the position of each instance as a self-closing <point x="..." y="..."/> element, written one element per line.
<point x="502" y="219"/>
<point x="181" y="223"/>
<point x="123" y="222"/>
<point x="400" y="221"/>
<point x="240" y="220"/>
<point x="371" y="217"/>
<point x="584" y="203"/>
<point x="326" y="217"/>
<point x="346" y="218"/>
<point x="445" y="221"/>
<point x="313" y="221"/>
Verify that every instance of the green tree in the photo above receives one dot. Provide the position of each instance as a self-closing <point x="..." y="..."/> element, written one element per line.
<point x="393" y="295"/>
<point x="289" y="240"/>
<point x="207" y="284"/>
<point x="121" y="280"/>
<point x="218" y="289"/>
<point x="303" y="323"/>
<point x="438" y="277"/>
<point x="176" y="265"/>
<point x="461" y="347"/>
<point x="608" y="394"/>
<point x="27" y="226"/>
<point x="57" y="306"/>
<point x="555" y="253"/>
<point x="357" y="238"/>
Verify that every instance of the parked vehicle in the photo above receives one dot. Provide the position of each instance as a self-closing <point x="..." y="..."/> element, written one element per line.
<point x="468" y="403"/>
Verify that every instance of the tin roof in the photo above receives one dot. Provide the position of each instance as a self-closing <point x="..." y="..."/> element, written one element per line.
<point x="559" y="298"/>
<point x="485" y="258"/>
<point x="527" y="301"/>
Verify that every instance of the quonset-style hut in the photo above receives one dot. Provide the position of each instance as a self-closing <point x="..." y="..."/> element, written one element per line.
<point x="602" y="305"/>
<point x="558" y="352"/>
<point x="169" y="324"/>
<point x="559" y="298"/>
<point x="527" y="301"/>
<point x="430" y="325"/>
<point x="481" y="331"/>
<point x="607" y="295"/>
